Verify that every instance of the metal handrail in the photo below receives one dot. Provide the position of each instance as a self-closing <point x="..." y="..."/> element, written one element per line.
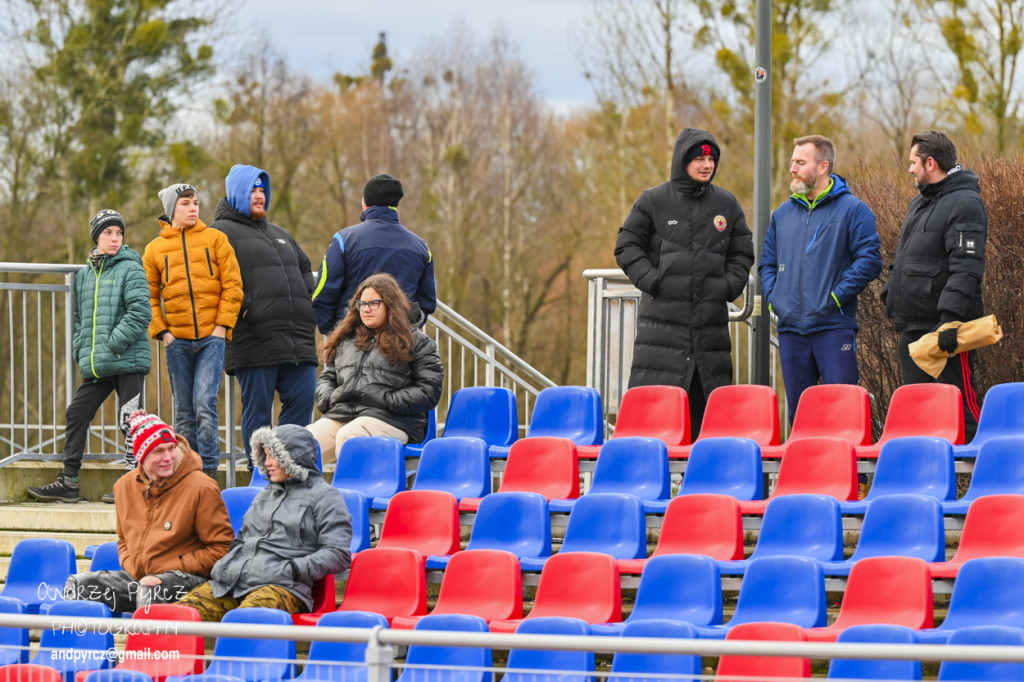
<point x="33" y="429"/>
<point x="382" y="637"/>
<point x="617" y="276"/>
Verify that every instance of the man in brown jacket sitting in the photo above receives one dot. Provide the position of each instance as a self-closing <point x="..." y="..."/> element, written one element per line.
<point x="172" y="525"/>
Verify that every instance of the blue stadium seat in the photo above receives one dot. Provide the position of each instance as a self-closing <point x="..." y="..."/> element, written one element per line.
<point x="998" y="470"/>
<point x="448" y="663"/>
<point x="633" y="465"/>
<point x="514" y="522"/>
<point x="91" y="647"/>
<point x="796" y="525"/>
<point x="456" y="465"/>
<point x="667" y="666"/>
<point x="572" y="412"/>
<point x="117" y="675"/>
<point x="1002" y="414"/>
<point x="609" y="523"/>
<point x="987" y="591"/>
<point x="250" y="658"/>
<point x="375" y="466"/>
<point x="722" y="466"/>
<point x="416" y="449"/>
<point x="106" y="558"/>
<point x="340" y="661"/>
<point x="485" y="412"/>
<point x="14" y="642"/>
<point x="683" y="588"/>
<point x="985" y="635"/>
<point x="558" y="665"/>
<point x="921" y="465"/>
<point x="783" y="589"/>
<point x="359" y="509"/>
<point x="238" y="500"/>
<point x="875" y="669"/>
<point x="897" y="525"/>
<point x="38" y="570"/>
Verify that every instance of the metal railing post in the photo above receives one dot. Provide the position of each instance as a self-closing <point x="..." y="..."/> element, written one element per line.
<point x="380" y="658"/>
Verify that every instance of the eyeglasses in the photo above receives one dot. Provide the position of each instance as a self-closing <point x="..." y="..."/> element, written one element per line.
<point x="372" y="305"/>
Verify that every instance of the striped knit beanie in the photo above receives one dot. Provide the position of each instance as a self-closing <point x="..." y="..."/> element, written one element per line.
<point x="147" y="431"/>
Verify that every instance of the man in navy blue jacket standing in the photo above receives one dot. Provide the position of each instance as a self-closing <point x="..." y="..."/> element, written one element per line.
<point x="377" y="244"/>
<point x="821" y="250"/>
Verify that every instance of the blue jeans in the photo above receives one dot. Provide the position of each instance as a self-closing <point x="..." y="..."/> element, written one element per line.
<point x="296" y="385"/>
<point x="197" y="369"/>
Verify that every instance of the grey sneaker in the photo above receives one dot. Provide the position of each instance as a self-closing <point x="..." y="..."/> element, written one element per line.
<point x="108" y="497"/>
<point x="64" y="489"/>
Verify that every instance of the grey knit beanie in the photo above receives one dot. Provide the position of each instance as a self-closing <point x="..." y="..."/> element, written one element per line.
<point x="169" y="197"/>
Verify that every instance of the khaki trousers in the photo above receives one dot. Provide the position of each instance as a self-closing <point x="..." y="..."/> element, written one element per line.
<point x="330" y="434"/>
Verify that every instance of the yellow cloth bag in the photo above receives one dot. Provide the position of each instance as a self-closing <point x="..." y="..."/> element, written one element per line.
<point x="983" y="331"/>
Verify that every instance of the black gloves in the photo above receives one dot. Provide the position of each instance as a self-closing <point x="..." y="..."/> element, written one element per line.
<point x="948" y="341"/>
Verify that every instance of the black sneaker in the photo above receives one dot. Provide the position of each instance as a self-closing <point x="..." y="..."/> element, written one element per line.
<point x="211" y="472"/>
<point x="63" y="489"/>
<point x="108" y="497"/>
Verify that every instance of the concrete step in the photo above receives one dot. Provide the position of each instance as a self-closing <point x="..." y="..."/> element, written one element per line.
<point x="84" y="517"/>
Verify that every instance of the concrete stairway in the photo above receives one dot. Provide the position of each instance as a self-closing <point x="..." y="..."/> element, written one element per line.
<point x="82" y="524"/>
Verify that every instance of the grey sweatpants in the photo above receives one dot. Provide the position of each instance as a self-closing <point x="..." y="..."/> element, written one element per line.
<point x="121" y="592"/>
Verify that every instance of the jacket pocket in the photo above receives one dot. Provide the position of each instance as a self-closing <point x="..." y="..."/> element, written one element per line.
<point x="918" y="296"/>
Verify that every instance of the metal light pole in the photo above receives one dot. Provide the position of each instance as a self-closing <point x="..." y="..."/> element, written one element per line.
<point x="760" y="320"/>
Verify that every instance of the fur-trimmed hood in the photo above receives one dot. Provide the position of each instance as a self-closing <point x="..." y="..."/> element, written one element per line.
<point x="293" y="446"/>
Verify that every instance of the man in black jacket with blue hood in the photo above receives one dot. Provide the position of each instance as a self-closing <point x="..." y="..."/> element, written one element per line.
<point x="273" y="345"/>
<point x="686" y="246"/>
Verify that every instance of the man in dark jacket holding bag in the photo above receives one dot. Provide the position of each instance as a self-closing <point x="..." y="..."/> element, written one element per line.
<point x="273" y="345"/>
<point x="940" y="259"/>
<point x="686" y="246"/>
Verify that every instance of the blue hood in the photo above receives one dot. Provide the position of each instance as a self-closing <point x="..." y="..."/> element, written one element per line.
<point x="239" y="183"/>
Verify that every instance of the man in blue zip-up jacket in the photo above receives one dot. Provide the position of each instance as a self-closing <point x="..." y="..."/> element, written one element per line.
<point x="820" y="252"/>
<point x="377" y="244"/>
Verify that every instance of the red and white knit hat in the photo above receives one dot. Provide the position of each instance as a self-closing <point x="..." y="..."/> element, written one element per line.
<point x="147" y="431"/>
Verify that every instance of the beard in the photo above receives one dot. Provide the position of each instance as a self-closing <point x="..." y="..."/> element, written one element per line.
<point x="257" y="213"/>
<point x="801" y="185"/>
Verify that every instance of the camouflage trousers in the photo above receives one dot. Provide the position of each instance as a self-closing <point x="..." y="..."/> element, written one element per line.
<point x="121" y="592"/>
<point x="213" y="608"/>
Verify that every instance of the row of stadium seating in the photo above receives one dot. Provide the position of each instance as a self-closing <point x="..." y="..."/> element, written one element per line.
<point x="748" y="411"/>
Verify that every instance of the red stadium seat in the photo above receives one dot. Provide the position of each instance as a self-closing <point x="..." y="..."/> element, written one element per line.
<point x="480" y="582"/>
<point x="661" y="412"/>
<point x="583" y="585"/>
<point x="705" y="524"/>
<point x="740" y="410"/>
<point x="832" y="411"/>
<point x="390" y="581"/>
<point x="825" y="466"/>
<point x="545" y="465"/>
<point x="424" y="520"/>
<point x="885" y="590"/>
<point x="732" y="667"/>
<point x="994" y="527"/>
<point x="921" y="410"/>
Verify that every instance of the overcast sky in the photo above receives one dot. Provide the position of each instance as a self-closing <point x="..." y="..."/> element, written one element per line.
<point x="322" y="37"/>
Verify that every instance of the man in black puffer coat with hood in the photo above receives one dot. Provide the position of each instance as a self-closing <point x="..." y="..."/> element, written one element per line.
<point x="273" y="346"/>
<point x="686" y="246"/>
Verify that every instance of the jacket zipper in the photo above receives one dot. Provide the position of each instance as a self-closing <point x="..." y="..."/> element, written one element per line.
<point x="188" y="277"/>
<point x="95" y="302"/>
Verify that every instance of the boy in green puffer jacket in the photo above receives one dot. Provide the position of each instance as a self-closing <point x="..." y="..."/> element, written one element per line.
<point x="110" y="345"/>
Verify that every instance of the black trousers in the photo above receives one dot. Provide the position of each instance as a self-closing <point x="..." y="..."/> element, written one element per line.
<point x="959" y="372"/>
<point x="82" y="410"/>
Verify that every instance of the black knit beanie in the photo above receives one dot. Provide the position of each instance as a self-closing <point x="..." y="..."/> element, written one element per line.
<point x="103" y="220"/>
<point x="382" y="190"/>
<point x="698" y="150"/>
